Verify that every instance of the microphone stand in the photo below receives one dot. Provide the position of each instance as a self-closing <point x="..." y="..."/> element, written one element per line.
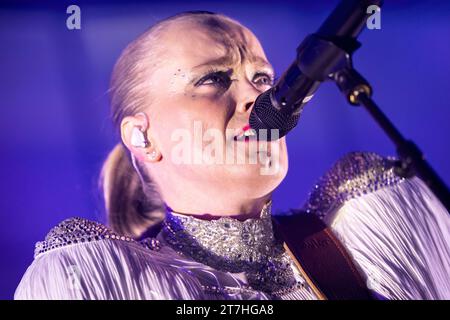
<point x="327" y="55"/>
<point x="358" y="92"/>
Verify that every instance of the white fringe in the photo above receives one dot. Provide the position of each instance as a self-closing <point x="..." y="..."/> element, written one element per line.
<point x="399" y="236"/>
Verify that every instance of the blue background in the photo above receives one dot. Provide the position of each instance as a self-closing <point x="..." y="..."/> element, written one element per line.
<point x="54" y="125"/>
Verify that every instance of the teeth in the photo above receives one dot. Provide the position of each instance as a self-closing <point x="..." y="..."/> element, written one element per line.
<point x="250" y="133"/>
<point x="245" y="133"/>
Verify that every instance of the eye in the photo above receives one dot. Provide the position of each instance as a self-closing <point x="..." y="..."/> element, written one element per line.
<point x="263" y="79"/>
<point x="215" y="78"/>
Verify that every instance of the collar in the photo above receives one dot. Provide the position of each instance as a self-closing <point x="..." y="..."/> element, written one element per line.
<point x="231" y="245"/>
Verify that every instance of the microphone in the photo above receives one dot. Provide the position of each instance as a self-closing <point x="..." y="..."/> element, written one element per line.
<point x="317" y="57"/>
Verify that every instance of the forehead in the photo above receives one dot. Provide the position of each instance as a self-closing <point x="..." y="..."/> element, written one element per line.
<point x="193" y="42"/>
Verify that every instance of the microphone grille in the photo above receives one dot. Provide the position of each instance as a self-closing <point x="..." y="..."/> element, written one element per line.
<point x="265" y="115"/>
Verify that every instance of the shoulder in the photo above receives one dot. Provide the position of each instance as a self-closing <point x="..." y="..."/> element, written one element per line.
<point x="388" y="224"/>
<point x="74" y="231"/>
<point x="83" y="259"/>
<point x="352" y="176"/>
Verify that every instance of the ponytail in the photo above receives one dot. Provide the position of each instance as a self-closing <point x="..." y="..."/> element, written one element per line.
<point x="131" y="210"/>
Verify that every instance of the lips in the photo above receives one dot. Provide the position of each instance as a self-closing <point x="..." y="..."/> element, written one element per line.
<point x="246" y="133"/>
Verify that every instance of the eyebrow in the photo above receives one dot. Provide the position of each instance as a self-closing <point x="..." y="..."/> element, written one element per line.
<point x="226" y="61"/>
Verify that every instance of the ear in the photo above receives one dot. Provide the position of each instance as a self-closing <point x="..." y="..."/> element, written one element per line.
<point x="146" y="152"/>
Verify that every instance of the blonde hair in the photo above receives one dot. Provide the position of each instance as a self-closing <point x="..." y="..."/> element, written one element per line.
<point x="132" y="200"/>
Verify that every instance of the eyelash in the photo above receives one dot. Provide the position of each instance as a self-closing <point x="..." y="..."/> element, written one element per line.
<point x="214" y="73"/>
<point x="269" y="77"/>
<point x="222" y="74"/>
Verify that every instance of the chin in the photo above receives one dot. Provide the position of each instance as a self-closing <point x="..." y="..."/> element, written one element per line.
<point x="256" y="184"/>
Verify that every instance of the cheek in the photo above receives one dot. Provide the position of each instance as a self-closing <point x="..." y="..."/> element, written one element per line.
<point x="284" y="149"/>
<point x="187" y="122"/>
<point x="210" y="112"/>
<point x="167" y="125"/>
<point x="280" y="157"/>
<point x="284" y="158"/>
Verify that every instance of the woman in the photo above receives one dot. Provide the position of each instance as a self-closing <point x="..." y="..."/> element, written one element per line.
<point x="188" y="223"/>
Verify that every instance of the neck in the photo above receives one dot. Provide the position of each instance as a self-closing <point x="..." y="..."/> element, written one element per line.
<point x="209" y="207"/>
<point x="212" y="200"/>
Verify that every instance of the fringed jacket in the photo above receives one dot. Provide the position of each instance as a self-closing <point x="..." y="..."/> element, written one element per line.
<point x="395" y="230"/>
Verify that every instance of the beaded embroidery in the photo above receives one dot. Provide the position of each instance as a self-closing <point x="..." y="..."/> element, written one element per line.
<point x="249" y="290"/>
<point x="355" y="174"/>
<point x="231" y="245"/>
<point x="79" y="230"/>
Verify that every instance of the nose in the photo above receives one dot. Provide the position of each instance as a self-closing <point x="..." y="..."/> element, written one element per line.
<point x="245" y="106"/>
<point x="246" y="98"/>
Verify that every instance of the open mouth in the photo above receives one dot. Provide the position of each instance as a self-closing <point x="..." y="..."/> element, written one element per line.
<point x="246" y="134"/>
